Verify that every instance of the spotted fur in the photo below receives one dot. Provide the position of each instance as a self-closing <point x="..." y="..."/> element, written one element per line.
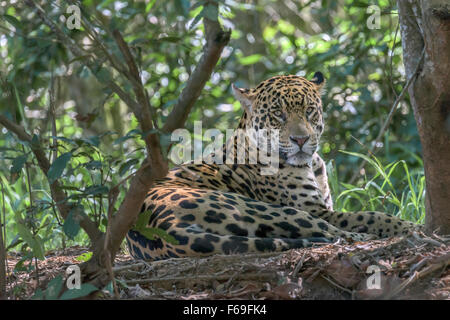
<point x="233" y="208"/>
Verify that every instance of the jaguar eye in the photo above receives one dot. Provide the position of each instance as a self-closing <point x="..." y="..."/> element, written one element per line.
<point x="309" y="110"/>
<point x="279" y="115"/>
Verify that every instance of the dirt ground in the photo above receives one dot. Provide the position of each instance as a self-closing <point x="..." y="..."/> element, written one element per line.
<point x="412" y="267"/>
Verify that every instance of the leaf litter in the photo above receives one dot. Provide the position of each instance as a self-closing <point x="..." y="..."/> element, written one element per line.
<point x="410" y="267"/>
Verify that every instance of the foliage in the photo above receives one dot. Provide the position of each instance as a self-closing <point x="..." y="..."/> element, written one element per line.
<point x="384" y="191"/>
<point x="94" y="142"/>
<point x="53" y="290"/>
<point x="151" y="233"/>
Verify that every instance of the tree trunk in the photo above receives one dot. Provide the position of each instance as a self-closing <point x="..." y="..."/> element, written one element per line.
<point x="2" y="265"/>
<point x="425" y="25"/>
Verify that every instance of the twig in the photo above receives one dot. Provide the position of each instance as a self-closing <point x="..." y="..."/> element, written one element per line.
<point x="392" y="59"/>
<point x="299" y="265"/>
<point x="216" y="40"/>
<point x="418" y="265"/>
<point x="78" y="52"/>
<point x="266" y="276"/>
<point x="120" y="269"/>
<point x="52" y="115"/>
<point x="389" y="117"/>
<point x="336" y="285"/>
<point x="427" y="240"/>
<point x="443" y="263"/>
<point x="143" y="113"/>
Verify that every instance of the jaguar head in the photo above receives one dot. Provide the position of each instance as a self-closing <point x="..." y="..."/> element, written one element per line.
<point x="290" y="104"/>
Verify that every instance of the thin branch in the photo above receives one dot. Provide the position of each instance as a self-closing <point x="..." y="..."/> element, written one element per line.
<point x="57" y="192"/>
<point x="440" y="264"/>
<point x="77" y="52"/>
<point x="143" y="113"/>
<point x="390" y="116"/>
<point x="112" y="58"/>
<point x="52" y="115"/>
<point x="216" y="40"/>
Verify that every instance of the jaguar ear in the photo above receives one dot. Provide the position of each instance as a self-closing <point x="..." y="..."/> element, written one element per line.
<point x="319" y="80"/>
<point x="244" y="96"/>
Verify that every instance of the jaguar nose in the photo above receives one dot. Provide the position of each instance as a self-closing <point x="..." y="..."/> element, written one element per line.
<point x="300" y="140"/>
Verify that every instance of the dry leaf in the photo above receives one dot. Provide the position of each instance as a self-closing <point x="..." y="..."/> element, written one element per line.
<point x="344" y="273"/>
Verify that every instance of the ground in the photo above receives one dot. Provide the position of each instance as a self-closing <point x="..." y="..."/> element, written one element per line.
<point x="412" y="267"/>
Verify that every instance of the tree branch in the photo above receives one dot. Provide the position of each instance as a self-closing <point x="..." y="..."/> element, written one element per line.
<point x="77" y="52"/>
<point x="216" y="40"/>
<point x="155" y="166"/>
<point x="140" y="183"/>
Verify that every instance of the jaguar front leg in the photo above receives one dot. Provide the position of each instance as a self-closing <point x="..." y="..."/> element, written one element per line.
<point x="320" y="172"/>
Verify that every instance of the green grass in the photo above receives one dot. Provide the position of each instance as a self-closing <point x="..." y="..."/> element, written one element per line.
<point x="377" y="192"/>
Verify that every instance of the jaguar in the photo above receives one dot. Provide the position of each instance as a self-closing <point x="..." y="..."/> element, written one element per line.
<point x="233" y="207"/>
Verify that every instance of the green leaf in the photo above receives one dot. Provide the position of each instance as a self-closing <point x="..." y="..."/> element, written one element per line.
<point x="64" y="139"/>
<point x="58" y="166"/>
<point x="165" y="140"/>
<point x="18" y="164"/>
<point x="78" y="58"/>
<point x="103" y="75"/>
<point x="197" y="4"/>
<point x="84" y="290"/>
<point x="130" y="134"/>
<point x="150" y="6"/>
<point x="252" y="59"/>
<point x="127" y="165"/>
<point x="93" y="165"/>
<point x="84" y="257"/>
<point x="143" y="220"/>
<point x="196" y="20"/>
<point x="185" y="5"/>
<point x="95" y="190"/>
<point x="54" y="288"/>
<point x="150" y="233"/>
<point x="109" y="287"/>
<point x="13" y="21"/>
<point x="32" y="241"/>
<point x="71" y="225"/>
<point x="93" y="141"/>
<point x="38" y="295"/>
<point x="35" y="141"/>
